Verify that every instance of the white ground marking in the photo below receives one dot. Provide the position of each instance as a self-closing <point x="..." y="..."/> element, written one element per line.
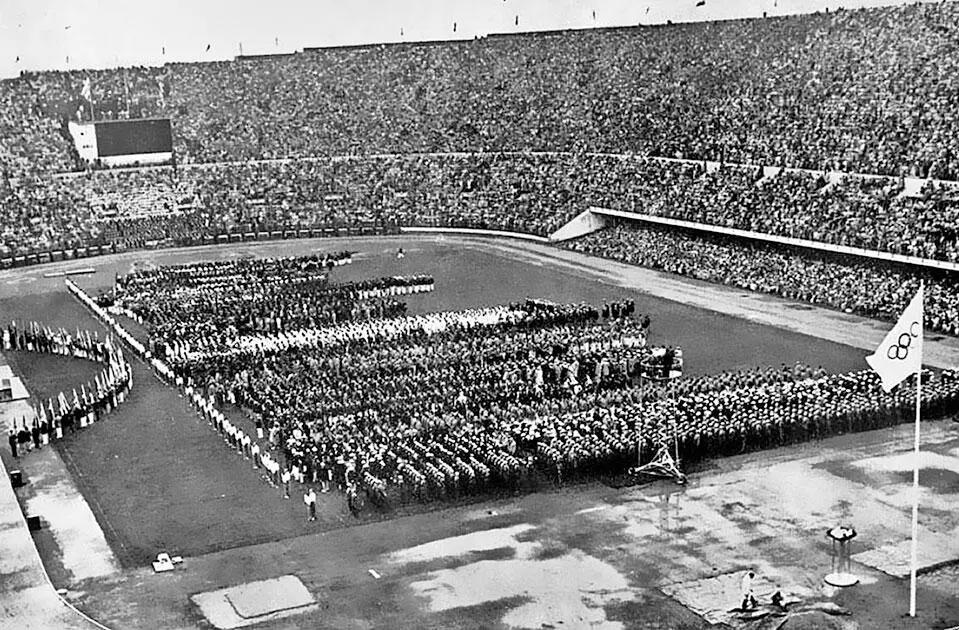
<point x="904" y="462"/>
<point x="86" y="553"/>
<point x="569" y="590"/>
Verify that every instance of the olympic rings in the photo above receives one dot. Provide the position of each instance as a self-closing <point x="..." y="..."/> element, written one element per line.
<point x="900" y="351"/>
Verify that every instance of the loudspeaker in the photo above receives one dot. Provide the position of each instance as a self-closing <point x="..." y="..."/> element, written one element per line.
<point x="33" y="522"/>
<point x="16" y="478"/>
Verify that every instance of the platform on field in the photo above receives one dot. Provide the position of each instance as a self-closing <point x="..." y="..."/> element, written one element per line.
<point x="717" y="598"/>
<point x="255" y="602"/>
<point x="11" y="387"/>
<point x="895" y="559"/>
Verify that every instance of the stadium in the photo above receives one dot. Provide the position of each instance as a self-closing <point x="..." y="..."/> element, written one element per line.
<point x="531" y="329"/>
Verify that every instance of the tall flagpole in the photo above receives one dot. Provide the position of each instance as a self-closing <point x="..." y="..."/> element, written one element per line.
<point x="915" y="482"/>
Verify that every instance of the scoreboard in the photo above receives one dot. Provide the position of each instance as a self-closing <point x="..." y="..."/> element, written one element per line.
<point x="134" y="137"/>
<point x="124" y="142"/>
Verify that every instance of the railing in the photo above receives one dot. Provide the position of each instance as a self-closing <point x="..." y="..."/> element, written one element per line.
<point x="473" y="232"/>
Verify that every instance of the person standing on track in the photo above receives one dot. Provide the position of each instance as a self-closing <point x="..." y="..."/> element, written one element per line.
<point x="749" y="598"/>
<point x="309" y="498"/>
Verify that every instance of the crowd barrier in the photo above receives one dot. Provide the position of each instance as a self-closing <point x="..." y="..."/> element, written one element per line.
<point x="473" y="232"/>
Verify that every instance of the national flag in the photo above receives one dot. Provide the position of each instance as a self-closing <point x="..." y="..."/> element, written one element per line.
<point x="900" y="353"/>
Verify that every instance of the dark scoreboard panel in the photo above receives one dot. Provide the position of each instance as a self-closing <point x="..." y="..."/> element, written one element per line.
<point x="132" y="137"/>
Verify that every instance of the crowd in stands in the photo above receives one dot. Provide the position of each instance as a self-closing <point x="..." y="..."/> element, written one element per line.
<point x="140" y="208"/>
<point x="533" y="193"/>
<point x="868" y="213"/>
<point x="862" y="90"/>
<point x="870" y="288"/>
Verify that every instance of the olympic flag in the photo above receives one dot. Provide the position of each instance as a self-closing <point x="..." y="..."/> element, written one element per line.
<point x="900" y="353"/>
<point x="897" y="357"/>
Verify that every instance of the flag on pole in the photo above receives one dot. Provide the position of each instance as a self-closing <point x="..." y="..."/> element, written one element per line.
<point x="898" y="357"/>
<point x="87" y="91"/>
<point x="900" y="353"/>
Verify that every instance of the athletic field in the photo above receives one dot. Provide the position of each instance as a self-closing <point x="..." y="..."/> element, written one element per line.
<point x="157" y="478"/>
